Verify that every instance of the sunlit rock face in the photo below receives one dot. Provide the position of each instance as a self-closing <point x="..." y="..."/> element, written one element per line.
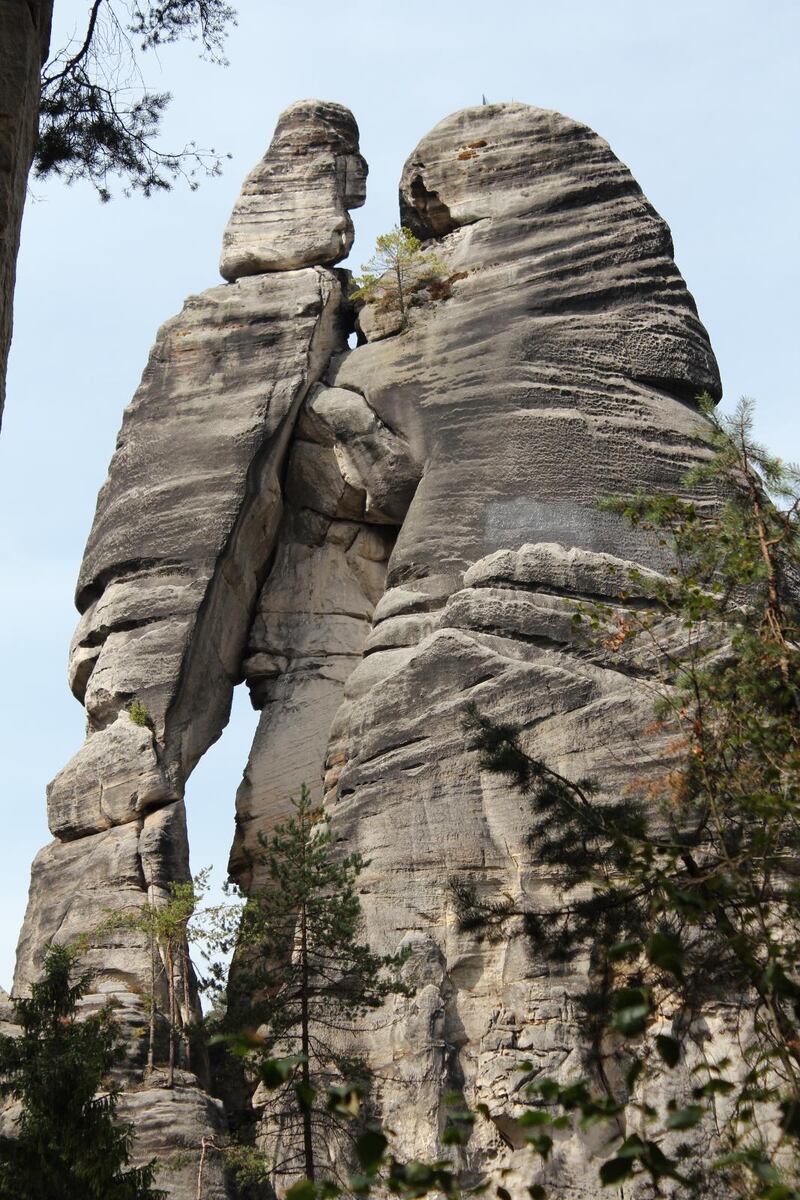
<point x="561" y="369"/>
<point x="185" y="531"/>
<point x="293" y="208"/>
<point x="375" y="539"/>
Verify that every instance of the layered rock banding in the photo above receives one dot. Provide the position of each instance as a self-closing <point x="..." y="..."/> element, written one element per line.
<point x="293" y="210"/>
<point x="185" y="529"/>
<point x="374" y="538"/>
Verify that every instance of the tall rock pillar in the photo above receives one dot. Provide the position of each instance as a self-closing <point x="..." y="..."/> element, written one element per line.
<point x="184" y="531"/>
<point x="376" y="539"/>
<point x="556" y="362"/>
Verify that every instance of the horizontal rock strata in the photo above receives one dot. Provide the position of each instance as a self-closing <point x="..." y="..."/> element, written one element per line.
<point x="560" y="368"/>
<point x="293" y="208"/>
<point x="184" y="533"/>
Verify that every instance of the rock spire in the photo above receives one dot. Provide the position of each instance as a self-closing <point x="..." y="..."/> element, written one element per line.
<point x="184" y="532"/>
<point x="293" y="208"/>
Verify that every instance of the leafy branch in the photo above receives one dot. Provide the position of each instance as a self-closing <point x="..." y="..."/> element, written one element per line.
<point x="98" y="118"/>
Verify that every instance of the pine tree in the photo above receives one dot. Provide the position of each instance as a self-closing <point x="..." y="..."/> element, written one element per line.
<point x="398" y="267"/>
<point x="99" y="120"/>
<point x="299" y="952"/>
<point x="69" y="1144"/>
<point x="170" y="924"/>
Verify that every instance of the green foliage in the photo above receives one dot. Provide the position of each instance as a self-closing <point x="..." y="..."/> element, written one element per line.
<point x="69" y="1144"/>
<point x="684" y="890"/>
<point x="397" y="271"/>
<point x="300" y="955"/>
<point x="98" y="119"/>
<point x="139" y="714"/>
<point x="171" y="924"/>
<point x="377" y="1169"/>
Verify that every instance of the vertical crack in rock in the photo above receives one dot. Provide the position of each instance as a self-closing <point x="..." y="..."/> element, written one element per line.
<point x="349" y="482"/>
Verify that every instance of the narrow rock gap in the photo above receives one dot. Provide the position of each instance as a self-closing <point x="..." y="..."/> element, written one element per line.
<point x="211" y="792"/>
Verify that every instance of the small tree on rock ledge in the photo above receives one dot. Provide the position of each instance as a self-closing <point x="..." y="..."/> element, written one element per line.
<point x="398" y="267"/>
<point x="301" y="956"/>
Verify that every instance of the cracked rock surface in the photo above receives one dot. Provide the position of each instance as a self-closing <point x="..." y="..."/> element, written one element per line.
<point x="561" y="368"/>
<point x="375" y="538"/>
<point x="185" y="530"/>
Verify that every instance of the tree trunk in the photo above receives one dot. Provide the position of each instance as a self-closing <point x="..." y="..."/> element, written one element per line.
<point x="400" y="297"/>
<point x="151" y="1043"/>
<point x="170" y="964"/>
<point x="24" y="37"/>
<point x="308" y="1145"/>
<point x="187" y="1018"/>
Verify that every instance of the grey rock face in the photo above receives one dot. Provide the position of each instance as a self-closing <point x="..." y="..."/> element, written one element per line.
<point x="185" y="529"/>
<point x="186" y="521"/>
<point x="25" y="38"/>
<point x="313" y="616"/>
<point x="559" y="370"/>
<point x="293" y="208"/>
<point x="374" y="539"/>
<point x="185" y="1130"/>
<point x="170" y="576"/>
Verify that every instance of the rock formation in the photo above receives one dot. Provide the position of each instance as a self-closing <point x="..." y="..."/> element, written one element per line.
<point x="373" y="538"/>
<point x="293" y="207"/>
<point x="24" y="38"/>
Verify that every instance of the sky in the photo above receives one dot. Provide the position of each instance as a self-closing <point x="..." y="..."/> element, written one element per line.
<point x="698" y="97"/>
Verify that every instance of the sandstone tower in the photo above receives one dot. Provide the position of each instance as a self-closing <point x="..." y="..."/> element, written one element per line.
<point x="374" y="537"/>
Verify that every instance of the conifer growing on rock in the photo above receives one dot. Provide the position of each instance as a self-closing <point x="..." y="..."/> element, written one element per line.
<point x="300" y="955"/>
<point x="684" y="891"/>
<point x="169" y="924"/>
<point x="68" y="1142"/>
<point x="397" y="268"/>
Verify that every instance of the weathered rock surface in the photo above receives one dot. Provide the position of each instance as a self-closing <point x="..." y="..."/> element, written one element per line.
<point x="561" y="369"/>
<point x="185" y="530"/>
<point x="172" y="570"/>
<point x="175" y="542"/>
<point x="293" y="208"/>
<point x="313" y="616"/>
<point x="8" y="1026"/>
<point x="25" y="39"/>
<point x="375" y="539"/>
<point x="185" y="1130"/>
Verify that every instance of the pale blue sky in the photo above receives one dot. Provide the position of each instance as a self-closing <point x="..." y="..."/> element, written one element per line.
<point x="698" y="97"/>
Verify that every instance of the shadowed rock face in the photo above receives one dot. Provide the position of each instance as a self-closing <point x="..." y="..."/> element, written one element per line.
<point x="375" y="538"/>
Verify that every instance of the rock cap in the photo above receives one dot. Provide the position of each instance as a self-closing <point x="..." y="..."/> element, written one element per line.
<point x="292" y="211"/>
